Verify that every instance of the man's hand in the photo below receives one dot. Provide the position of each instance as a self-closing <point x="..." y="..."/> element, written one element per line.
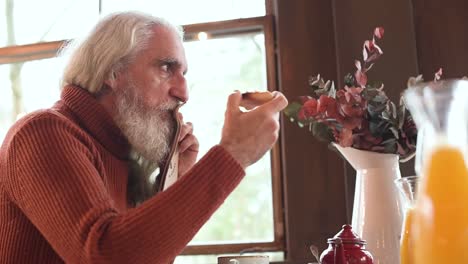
<point x="188" y="147"/>
<point x="249" y="135"/>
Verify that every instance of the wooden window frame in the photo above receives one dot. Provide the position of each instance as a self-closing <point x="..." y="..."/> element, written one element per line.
<point x="237" y="27"/>
<point x="218" y="29"/>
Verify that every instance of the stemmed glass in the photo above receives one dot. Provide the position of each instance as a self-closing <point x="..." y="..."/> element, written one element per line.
<point x="407" y="187"/>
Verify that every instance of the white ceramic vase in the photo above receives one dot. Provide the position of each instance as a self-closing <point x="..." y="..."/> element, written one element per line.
<point x="378" y="208"/>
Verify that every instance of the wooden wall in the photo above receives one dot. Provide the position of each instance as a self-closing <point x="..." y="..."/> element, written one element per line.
<point x="325" y="36"/>
<point x="441" y="36"/>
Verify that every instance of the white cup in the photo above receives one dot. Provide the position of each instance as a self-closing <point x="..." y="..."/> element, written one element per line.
<point x="243" y="260"/>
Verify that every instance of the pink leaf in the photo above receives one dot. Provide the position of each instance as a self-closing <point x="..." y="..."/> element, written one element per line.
<point x="369" y="67"/>
<point x="354" y="90"/>
<point x="379" y="32"/>
<point x="345" y="138"/>
<point x="369" y="45"/>
<point x="361" y="78"/>
<point x="358" y="64"/>
<point x="348" y="97"/>
<point x="364" y="50"/>
<point x="379" y="50"/>
<point x="375" y="53"/>
<point x="438" y="75"/>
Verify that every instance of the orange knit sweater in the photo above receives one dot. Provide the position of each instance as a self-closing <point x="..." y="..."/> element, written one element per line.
<point x="63" y="186"/>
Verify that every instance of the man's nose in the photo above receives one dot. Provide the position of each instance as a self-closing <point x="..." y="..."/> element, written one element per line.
<point x="179" y="88"/>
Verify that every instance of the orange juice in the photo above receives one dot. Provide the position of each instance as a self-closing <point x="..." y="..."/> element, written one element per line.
<point x="406" y="244"/>
<point x="440" y="226"/>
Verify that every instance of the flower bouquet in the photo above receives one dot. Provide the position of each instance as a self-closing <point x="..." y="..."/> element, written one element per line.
<point x="358" y="115"/>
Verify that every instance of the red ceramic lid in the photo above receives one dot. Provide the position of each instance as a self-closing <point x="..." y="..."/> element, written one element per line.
<point x="347" y="236"/>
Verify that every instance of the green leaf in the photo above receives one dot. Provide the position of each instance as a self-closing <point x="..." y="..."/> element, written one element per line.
<point x="390" y="147"/>
<point x="389" y="141"/>
<point x="401" y="116"/>
<point x="349" y="80"/>
<point x="369" y="94"/>
<point x="380" y="98"/>
<point x="379" y="128"/>
<point x="322" y="132"/>
<point x="292" y="110"/>
<point x="393" y="110"/>
<point x="320" y="92"/>
<point x="385" y="115"/>
<point x="374" y="128"/>
<point x="377" y="85"/>
<point x="375" y="108"/>
<point x="395" y="132"/>
<point x="332" y="91"/>
<point x="314" y="80"/>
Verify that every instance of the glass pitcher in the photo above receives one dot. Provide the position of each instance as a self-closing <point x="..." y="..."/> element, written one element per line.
<point x="440" y="220"/>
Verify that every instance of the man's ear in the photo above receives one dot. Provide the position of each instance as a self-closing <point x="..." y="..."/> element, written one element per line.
<point x="112" y="80"/>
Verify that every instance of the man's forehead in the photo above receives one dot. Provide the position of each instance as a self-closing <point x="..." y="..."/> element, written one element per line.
<point x="163" y="32"/>
<point x="166" y="44"/>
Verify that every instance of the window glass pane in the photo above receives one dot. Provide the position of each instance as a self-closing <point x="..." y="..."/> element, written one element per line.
<point x="216" y="68"/>
<point x="212" y="259"/>
<point x="190" y="11"/>
<point x="37" y="86"/>
<point x="47" y="20"/>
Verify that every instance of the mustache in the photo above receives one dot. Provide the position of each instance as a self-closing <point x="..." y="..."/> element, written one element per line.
<point x="171" y="105"/>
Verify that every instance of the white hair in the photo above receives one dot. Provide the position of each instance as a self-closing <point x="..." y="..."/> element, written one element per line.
<point x="109" y="48"/>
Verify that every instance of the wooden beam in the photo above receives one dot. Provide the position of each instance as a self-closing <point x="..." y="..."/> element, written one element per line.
<point x="21" y="53"/>
<point x="46" y="50"/>
<point x="235" y="25"/>
<point x="232" y="248"/>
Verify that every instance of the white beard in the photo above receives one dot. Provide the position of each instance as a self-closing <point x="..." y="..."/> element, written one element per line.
<point x="149" y="130"/>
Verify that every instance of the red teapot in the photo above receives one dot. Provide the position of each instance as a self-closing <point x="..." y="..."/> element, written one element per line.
<point x="346" y="248"/>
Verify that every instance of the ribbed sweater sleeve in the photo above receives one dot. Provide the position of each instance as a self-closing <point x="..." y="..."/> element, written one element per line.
<point x="52" y="176"/>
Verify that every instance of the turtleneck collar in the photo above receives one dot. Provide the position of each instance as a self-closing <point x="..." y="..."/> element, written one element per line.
<point x="94" y="118"/>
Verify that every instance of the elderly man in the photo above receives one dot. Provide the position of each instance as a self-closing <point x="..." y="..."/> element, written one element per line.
<point x="71" y="184"/>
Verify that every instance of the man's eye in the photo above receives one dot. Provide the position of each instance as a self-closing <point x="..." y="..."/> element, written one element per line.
<point x="165" y="67"/>
<point x="166" y="70"/>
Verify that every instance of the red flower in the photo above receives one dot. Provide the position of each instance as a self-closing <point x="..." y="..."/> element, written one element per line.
<point x="344" y="137"/>
<point x="354" y="92"/>
<point x="351" y="102"/>
<point x="327" y="107"/>
<point x="350" y="122"/>
<point x="308" y="110"/>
